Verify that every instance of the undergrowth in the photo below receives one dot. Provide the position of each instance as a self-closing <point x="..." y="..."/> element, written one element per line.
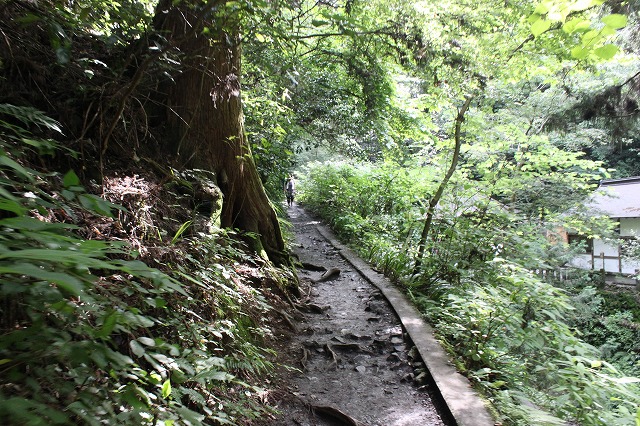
<point x="537" y="353"/>
<point x="110" y="315"/>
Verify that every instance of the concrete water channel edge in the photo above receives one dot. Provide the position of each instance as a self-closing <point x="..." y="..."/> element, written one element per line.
<point x="466" y="407"/>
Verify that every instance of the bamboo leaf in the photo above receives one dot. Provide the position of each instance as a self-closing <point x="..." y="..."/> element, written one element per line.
<point x="222" y="376"/>
<point x="148" y="341"/>
<point x="181" y="230"/>
<point x="137" y="349"/>
<point x="26" y="223"/>
<point x="54" y="256"/>
<point x="62" y="280"/>
<point x="11" y="206"/>
<point x="17" y="168"/>
<point x="98" y="205"/>
<point x="108" y="325"/>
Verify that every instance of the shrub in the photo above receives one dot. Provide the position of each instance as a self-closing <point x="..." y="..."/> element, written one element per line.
<point x="511" y="333"/>
<point x="91" y="334"/>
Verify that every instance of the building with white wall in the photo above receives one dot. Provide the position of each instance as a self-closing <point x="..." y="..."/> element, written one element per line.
<point x="620" y="200"/>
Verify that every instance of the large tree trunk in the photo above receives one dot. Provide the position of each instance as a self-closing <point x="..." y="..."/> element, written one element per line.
<point x="205" y="117"/>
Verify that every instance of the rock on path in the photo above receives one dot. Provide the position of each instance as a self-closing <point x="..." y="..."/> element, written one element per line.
<point x="356" y="366"/>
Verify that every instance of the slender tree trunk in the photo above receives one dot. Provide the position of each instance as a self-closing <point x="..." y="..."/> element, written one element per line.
<point x="205" y="119"/>
<point x="433" y="203"/>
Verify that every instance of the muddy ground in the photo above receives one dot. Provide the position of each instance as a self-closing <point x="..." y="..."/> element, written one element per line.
<point x="354" y="364"/>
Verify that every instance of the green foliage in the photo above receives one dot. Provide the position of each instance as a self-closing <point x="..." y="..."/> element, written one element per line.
<point x="92" y="335"/>
<point x="514" y="189"/>
<point x="609" y="320"/>
<point x="117" y="22"/>
<point x="512" y="333"/>
<point x="318" y="76"/>
<point x="592" y="38"/>
<point x="95" y="334"/>
<point x="366" y="203"/>
<point x="267" y="116"/>
<point x="582" y="112"/>
<point x="335" y="70"/>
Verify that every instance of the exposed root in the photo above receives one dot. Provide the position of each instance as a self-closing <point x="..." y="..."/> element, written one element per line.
<point x="311" y="308"/>
<point x="352" y="347"/>
<point x="334" y="357"/>
<point x="305" y="358"/>
<point x="311" y="267"/>
<point x="335" y="414"/>
<point x="329" y="412"/>
<point x="329" y="275"/>
<point x="287" y="319"/>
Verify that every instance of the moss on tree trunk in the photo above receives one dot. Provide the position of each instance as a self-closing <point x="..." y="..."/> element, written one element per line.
<point x="205" y="120"/>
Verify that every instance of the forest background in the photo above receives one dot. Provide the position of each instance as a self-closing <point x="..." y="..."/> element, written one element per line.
<point x="144" y="264"/>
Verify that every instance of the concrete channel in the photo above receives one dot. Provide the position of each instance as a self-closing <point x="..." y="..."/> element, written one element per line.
<point x="463" y="403"/>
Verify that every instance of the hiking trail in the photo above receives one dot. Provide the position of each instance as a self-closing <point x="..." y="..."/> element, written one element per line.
<point x="355" y="364"/>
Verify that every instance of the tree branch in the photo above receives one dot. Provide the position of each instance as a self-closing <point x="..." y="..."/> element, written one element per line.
<point x="555" y="27"/>
<point x="382" y="31"/>
<point x="636" y="75"/>
<point x="433" y="203"/>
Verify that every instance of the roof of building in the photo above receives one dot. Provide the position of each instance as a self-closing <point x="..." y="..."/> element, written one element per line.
<point x="619" y="197"/>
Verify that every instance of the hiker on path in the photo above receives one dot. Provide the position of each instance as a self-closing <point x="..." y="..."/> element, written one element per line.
<point x="289" y="189"/>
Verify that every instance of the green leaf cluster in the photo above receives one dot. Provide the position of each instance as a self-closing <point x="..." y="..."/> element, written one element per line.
<point x="510" y="331"/>
<point x="92" y="335"/>
<point x="594" y="37"/>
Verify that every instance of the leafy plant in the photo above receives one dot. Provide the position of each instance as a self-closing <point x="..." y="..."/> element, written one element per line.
<point x="510" y="332"/>
<point x="91" y="334"/>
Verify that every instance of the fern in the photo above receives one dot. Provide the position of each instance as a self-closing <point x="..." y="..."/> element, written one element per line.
<point x="29" y="116"/>
<point x="121" y="356"/>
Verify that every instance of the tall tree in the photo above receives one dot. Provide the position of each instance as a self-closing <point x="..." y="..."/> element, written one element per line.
<point x="204" y="113"/>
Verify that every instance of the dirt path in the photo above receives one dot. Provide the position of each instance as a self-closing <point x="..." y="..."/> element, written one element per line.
<point x="356" y="365"/>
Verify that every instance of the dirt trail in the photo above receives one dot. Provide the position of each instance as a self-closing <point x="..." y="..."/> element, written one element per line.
<point x="356" y="365"/>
